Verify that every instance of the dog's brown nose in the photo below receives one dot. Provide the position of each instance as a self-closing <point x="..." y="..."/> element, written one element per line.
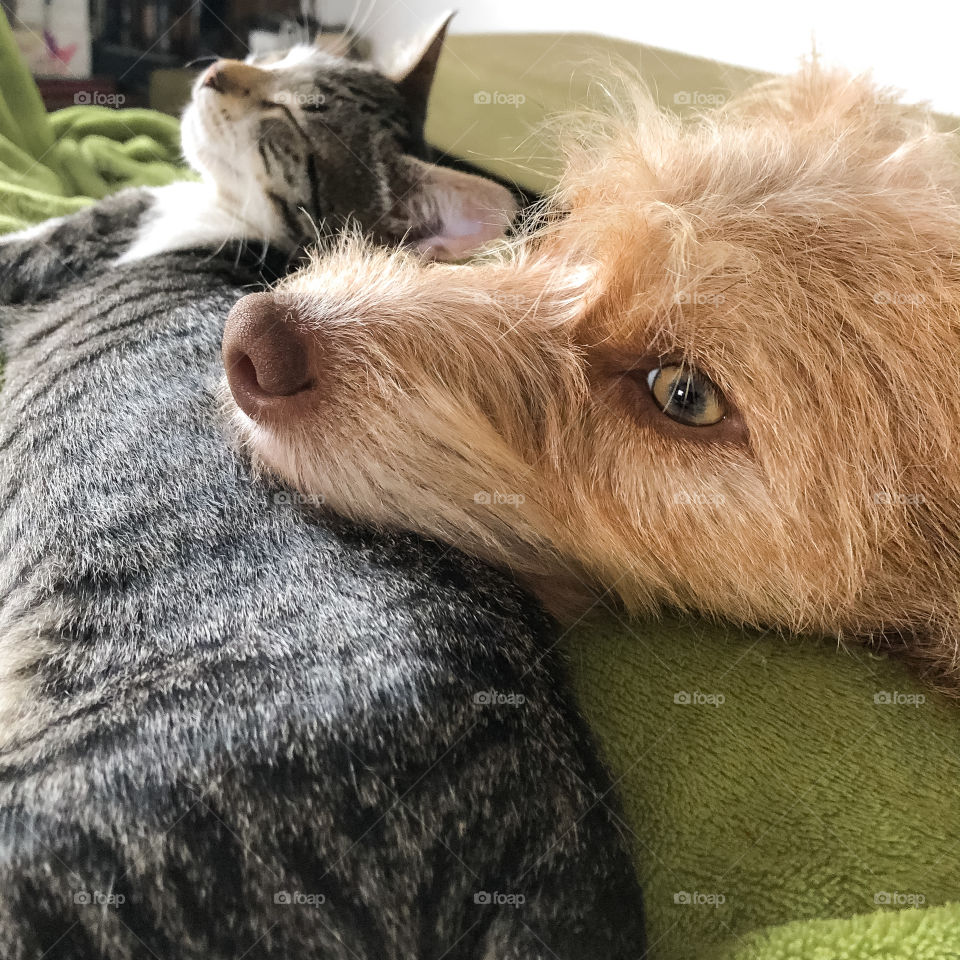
<point x="266" y="357"/>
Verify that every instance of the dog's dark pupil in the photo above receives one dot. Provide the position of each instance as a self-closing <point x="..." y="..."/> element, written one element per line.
<point x="686" y="395"/>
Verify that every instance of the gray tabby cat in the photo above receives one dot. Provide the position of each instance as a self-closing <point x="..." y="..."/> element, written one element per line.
<point x="297" y="144"/>
<point x="235" y="726"/>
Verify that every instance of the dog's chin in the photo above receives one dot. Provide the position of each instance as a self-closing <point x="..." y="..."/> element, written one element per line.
<point x="278" y="452"/>
<point x="257" y="440"/>
<point x="269" y="450"/>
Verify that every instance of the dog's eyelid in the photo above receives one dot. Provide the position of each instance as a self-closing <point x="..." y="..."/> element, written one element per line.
<point x="645" y="365"/>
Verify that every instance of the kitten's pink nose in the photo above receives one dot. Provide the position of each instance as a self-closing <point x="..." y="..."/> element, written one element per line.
<point x="236" y="78"/>
<point x="212" y="78"/>
<point x="267" y="358"/>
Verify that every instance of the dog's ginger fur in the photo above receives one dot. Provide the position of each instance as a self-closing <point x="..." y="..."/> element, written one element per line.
<point x="800" y="246"/>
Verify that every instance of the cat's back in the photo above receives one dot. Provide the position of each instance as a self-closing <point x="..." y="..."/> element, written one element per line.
<point x="230" y="723"/>
<point x="38" y="265"/>
<point x="140" y="559"/>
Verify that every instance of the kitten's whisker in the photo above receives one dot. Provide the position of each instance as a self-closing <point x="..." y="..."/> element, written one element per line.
<point x="356" y="27"/>
<point x="201" y="61"/>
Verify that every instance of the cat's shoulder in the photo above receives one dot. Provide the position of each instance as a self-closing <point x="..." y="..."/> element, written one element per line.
<point x="192" y="215"/>
<point x="39" y="263"/>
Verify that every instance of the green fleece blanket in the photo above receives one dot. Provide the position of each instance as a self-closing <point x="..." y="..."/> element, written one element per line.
<point x="54" y="164"/>
<point x="769" y="780"/>
<point x="785" y="799"/>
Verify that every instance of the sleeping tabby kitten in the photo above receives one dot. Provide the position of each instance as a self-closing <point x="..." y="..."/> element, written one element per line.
<point x="294" y="145"/>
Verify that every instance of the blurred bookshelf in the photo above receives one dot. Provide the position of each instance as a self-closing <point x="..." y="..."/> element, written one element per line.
<point x="149" y="50"/>
<point x="132" y="38"/>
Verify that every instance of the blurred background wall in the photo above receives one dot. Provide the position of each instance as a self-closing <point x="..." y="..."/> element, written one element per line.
<point x="912" y="45"/>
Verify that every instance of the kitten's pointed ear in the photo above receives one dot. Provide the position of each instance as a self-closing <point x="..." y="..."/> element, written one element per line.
<point x="415" y="78"/>
<point x="449" y="214"/>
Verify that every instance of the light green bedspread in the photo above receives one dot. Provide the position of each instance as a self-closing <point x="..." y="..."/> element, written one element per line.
<point x="54" y="164"/>
<point x="785" y="799"/>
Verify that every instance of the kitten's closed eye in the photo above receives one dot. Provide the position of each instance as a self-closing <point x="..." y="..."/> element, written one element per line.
<point x="305" y="102"/>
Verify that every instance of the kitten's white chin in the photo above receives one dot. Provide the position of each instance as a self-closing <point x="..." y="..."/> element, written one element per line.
<point x="229" y="203"/>
<point x="200" y="145"/>
<point x="191" y="137"/>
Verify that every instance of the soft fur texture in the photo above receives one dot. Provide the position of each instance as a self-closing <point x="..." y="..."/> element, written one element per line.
<point x="799" y="247"/>
<point x="235" y="727"/>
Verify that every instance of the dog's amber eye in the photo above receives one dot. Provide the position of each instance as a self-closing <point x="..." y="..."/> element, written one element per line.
<point x="686" y="395"/>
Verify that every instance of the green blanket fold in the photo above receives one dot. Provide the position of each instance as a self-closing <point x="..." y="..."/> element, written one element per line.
<point x="786" y="800"/>
<point x="769" y="780"/>
<point x="54" y="164"/>
<point x="932" y="934"/>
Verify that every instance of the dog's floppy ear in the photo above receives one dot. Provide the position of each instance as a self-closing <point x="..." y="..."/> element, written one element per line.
<point x="449" y="213"/>
<point x="415" y="77"/>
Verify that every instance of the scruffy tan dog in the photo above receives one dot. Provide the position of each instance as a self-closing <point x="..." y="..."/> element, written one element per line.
<point x="722" y="375"/>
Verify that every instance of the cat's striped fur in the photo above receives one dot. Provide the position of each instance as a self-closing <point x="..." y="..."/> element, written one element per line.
<point x="254" y="730"/>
